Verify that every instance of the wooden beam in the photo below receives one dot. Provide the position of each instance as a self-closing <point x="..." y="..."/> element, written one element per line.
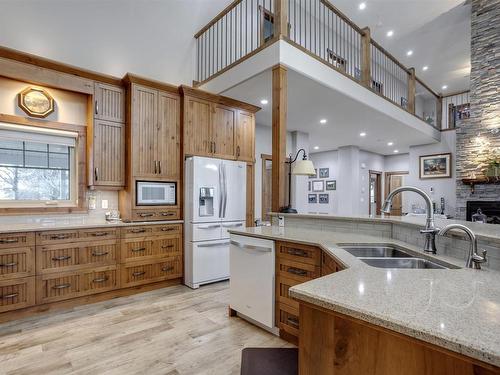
<point x="279" y="116"/>
<point x="411" y="90"/>
<point x="366" y="58"/>
<point x="281" y="21"/>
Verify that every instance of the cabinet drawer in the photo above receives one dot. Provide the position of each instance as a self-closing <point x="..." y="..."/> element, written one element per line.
<point x="283" y="284"/>
<point x="11" y="240"/>
<point x="297" y="271"/>
<point x="57" y="287"/>
<point x="73" y="256"/>
<point x="16" y="294"/>
<point x="99" y="280"/>
<point x="98" y="234"/>
<point x="167" y="247"/>
<point x="56" y="236"/>
<point x="16" y="262"/>
<point x="167" y="229"/>
<point x="148" y="272"/>
<point x="299" y="253"/>
<point x="136" y="249"/>
<point x="288" y="319"/>
<point x="148" y="215"/>
<point x="137" y="231"/>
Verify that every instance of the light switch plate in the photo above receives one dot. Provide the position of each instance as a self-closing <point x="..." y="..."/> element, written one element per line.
<point x="281" y="221"/>
<point x="104" y="203"/>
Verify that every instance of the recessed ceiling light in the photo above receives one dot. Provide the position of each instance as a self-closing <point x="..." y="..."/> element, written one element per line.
<point x="390" y="33"/>
<point x="363" y="134"/>
<point x="316" y="147"/>
<point x="322" y="121"/>
<point x="264" y="101"/>
<point x="390" y="143"/>
<point x="362" y="6"/>
<point x="425" y="68"/>
<point x="409" y="53"/>
<point x="396" y="151"/>
<point x="444" y="87"/>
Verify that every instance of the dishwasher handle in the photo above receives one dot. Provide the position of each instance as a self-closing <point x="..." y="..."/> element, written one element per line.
<point x="260" y="249"/>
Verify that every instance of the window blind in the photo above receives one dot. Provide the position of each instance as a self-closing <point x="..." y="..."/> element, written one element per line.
<point x="12" y="132"/>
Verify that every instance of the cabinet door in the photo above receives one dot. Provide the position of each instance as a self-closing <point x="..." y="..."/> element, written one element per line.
<point x="168" y="139"/>
<point x="144" y="131"/>
<point x="245" y="136"/>
<point x="197" y="127"/>
<point x="109" y="153"/>
<point x="109" y="102"/>
<point x="223" y="120"/>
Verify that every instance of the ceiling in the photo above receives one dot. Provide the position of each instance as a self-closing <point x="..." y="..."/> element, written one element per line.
<point x="310" y="101"/>
<point x="437" y="31"/>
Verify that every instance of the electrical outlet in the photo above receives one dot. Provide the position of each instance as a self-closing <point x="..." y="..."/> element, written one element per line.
<point x="281" y="221"/>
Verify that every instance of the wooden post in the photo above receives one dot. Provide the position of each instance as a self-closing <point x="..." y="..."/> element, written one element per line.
<point x="439" y="112"/>
<point x="281" y="18"/>
<point x="411" y="90"/>
<point x="279" y="116"/>
<point x="366" y="58"/>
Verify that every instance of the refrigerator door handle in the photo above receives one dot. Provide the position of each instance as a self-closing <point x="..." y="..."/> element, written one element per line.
<point x="220" y="190"/>
<point x="225" y="190"/>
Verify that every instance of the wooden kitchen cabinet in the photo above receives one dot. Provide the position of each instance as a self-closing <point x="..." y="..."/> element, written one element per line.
<point x="106" y="138"/>
<point x="216" y="126"/>
<point x="245" y="136"/>
<point x="168" y="146"/>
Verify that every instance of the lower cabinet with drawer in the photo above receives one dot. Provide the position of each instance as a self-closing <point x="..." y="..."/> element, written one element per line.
<point x="145" y="272"/>
<point x="17" y="293"/>
<point x="295" y="264"/>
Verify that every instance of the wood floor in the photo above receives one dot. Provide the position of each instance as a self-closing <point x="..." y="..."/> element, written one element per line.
<point x="167" y="331"/>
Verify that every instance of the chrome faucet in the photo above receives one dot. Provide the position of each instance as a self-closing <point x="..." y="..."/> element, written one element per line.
<point x="430" y="229"/>
<point x="474" y="260"/>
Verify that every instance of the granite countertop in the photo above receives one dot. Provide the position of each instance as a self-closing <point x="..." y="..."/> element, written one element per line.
<point x="457" y="309"/>
<point x="38" y="224"/>
<point x="482" y="231"/>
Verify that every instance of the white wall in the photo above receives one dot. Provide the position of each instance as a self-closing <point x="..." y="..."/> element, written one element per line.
<point x="150" y="38"/>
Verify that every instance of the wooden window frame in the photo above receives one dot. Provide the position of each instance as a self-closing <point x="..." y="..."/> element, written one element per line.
<point x="81" y="166"/>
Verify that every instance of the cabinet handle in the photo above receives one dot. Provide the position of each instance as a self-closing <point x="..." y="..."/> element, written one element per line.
<point x="96" y="107"/>
<point x="59" y="237"/>
<point x="8" y="265"/>
<point x="100" y="254"/>
<point x="293" y="321"/>
<point x="99" y="234"/>
<point x="101" y="280"/>
<point x="300" y="253"/>
<point x="138" y="231"/>
<point x="61" y="286"/>
<point x="156" y="167"/>
<point x="166" y="269"/>
<point x="159" y="166"/>
<point x="167" y="246"/>
<point x="138" y="250"/>
<point x="237" y="151"/>
<point x="9" y="296"/>
<point x="61" y="257"/>
<point x="135" y="274"/>
<point x="215" y="147"/>
<point x="96" y="173"/>
<point x="146" y="215"/>
<point x="296" y="271"/>
<point x="11" y="240"/>
<point x="167" y="229"/>
<point x="168" y="214"/>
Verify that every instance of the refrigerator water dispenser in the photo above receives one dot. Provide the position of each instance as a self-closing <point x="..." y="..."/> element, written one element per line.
<point x="206" y="201"/>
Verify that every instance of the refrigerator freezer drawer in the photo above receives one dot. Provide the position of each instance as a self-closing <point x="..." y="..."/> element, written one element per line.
<point x="232" y="225"/>
<point x="210" y="262"/>
<point x="251" y="287"/>
<point x="205" y="231"/>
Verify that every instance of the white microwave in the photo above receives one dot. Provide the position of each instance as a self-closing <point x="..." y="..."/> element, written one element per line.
<point x="150" y="193"/>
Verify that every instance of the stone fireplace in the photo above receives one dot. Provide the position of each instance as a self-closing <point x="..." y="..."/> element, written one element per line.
<point x="478" y="138"/>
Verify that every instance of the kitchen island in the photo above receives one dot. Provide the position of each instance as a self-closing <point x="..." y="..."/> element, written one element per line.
<point x="391" y="320"/>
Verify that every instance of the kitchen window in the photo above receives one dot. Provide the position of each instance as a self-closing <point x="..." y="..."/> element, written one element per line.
<point x="37" y="167"/>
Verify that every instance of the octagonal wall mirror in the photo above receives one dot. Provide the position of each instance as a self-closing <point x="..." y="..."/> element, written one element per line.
<point x="36" y="102"/>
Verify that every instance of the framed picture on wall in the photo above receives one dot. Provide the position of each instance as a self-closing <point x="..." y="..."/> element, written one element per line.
<point x="318" y="186"/>
<point x="324" y="172"/>
<point x="312" y="198"/>
<point x="324" y="198"/>
<point x="331" y="185"/>
<point x="315" y="175"/>
<point x="435" y="166"/>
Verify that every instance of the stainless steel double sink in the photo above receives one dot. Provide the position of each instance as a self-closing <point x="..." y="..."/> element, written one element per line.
<point x="390" y="257"/>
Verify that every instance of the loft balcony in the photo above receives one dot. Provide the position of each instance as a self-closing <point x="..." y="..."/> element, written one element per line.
<point x="315" y="39"/>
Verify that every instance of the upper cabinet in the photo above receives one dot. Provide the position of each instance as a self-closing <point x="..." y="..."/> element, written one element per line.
<point x="217" y="126"/>
<point x="106" y="137"/>
<point x="168" y="147"/>
<point x="109" y="103"/>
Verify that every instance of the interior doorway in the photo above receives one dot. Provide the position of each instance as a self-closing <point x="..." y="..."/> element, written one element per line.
<point x="267" y="186"/>
<point x="375" y="191"/>
<point x="394" y="180"/>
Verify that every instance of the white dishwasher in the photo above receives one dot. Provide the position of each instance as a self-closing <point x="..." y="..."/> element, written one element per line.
<point x="251" y="286"/>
